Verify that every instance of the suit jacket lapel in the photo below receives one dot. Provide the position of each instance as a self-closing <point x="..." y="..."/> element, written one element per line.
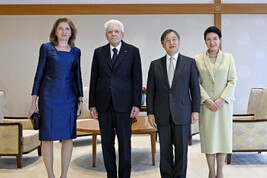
<point x="122" y="53"/>
<point x="218" y="60"/>
<point x="164" y="71"/>
<point x="206" y="61"/>
<point x="107" y="55"/>
<point x="208" y="65"/>
<point x="178" y="69"/>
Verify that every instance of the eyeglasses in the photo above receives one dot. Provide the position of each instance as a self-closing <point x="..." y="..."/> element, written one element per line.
<point x="113" y="31"/>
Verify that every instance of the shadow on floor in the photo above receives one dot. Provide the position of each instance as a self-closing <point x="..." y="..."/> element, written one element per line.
<point x="10" y="162"/>
<point x="141" y="160"/>
<point x="84" y="141"/>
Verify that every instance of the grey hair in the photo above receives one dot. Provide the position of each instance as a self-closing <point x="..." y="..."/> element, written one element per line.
<point x="113" y="21"/>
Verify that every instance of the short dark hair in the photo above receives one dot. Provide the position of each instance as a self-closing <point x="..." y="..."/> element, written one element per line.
<point x="212" y="29"/>
<point x="53" y="37"/>
<point x="163" y="36"/>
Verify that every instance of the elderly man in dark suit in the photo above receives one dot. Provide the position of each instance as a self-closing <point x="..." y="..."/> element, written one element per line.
<point x="173" y="102"/>
<point x="115" y="96"/>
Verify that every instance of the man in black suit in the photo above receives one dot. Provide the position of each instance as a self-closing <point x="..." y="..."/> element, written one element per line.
<point x="115" y="96"/>
<point x="173" y="102"/>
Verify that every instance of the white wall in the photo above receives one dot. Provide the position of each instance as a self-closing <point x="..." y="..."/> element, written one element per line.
<point x="245" y="37"/>
<point x="21" y="36"/>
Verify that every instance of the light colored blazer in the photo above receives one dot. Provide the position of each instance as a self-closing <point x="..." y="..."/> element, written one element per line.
<point x="218" y="84"/>
<point x="216" y="80"/>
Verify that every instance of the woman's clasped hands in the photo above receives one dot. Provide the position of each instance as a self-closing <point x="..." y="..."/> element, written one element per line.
<point x="214" y="105"/>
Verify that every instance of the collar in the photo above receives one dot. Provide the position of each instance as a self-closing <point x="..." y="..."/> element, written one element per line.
<point x="117" y="47"/>
<point x="175" y="56"/>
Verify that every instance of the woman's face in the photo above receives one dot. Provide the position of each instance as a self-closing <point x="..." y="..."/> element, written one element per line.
<point x="213" y="42"/>
<point x="63" y="31"/>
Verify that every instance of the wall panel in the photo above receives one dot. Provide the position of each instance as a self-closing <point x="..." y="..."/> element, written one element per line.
<point x="22" y="36"/>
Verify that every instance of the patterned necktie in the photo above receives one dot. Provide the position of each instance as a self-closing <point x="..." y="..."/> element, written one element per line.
<point x="115" y="51"/>
<point x="171" y="71"/>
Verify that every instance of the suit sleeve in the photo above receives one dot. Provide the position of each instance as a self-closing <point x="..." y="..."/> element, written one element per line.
<point x="137" y="79"/>
<point x="228" y="92"/>
<point x="93" y="82"/>
<point x="40" y="70"/>
<point x="150" y="90"/>
<point x="194" y="87"/>
<point x="78" y="74"/>
<point x="203" y="93"/>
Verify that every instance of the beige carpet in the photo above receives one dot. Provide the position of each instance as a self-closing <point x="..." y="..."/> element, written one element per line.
<point x="244" y="165"/>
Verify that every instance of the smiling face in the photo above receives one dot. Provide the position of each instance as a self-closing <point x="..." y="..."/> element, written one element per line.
<point x="171" y="43"/>
<point x="114" y="34"/>
<point x="213" y="42"/>
<point x="63" y="31"/>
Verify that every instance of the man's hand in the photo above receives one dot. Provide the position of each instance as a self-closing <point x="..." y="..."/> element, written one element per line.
<point x="135" y="111"/>
<point x="194" y="117"/>
<point x="94" y="112"/>
<point x="151" y="120"/>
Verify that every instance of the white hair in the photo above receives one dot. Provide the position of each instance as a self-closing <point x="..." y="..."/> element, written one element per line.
<point x="113" y="21"/>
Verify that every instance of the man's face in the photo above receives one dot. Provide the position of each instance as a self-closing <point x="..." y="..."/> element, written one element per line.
<point x="114" y="34"/>
<point x="171" y="44"/>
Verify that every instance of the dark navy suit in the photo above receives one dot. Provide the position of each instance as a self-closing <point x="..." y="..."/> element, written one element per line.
<point x="114" y="90"/>
<point x="172" y="108"/>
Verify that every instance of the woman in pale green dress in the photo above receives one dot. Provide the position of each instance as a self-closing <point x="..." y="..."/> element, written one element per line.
<point x="217" y="77"/>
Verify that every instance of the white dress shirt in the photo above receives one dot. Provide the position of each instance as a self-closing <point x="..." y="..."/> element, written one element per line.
<point x="118" y="48"/>
<point x="174" y="60"/>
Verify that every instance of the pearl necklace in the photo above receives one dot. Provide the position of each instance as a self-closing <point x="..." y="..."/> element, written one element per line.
<point x="212" y="55"/>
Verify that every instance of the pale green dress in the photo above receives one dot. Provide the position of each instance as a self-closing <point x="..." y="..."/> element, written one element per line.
<point x="217" y="79"/>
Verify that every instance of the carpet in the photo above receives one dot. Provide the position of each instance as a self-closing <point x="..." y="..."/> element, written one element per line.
<point x="10" y="162"/>
<point x="141" y="160"/>
<point x="244" y="165"/>
<point x="252" y="158"/>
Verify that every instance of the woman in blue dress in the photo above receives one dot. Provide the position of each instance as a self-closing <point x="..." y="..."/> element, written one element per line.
<point x="58" y="88"/>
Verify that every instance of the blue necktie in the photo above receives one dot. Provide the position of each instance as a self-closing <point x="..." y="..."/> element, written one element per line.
<point x="114" y="55"/>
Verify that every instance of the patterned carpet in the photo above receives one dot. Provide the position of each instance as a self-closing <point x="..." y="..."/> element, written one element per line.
<point x="252" y="158"/>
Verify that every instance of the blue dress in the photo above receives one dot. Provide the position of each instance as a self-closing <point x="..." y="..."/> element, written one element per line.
<point x="58" y="84"/>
